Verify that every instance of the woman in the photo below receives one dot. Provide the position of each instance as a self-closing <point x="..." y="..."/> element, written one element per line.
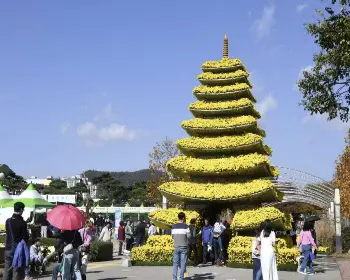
<point x="256" y="246"/>
<point x="70" y="264"/>
<point x="267" y="253"/>
<point x="86" y="234"/>
<point x="121" y="237"/>
<point x="306" y="244"/>
<point x="219" y="228"/>
<point x="128" y="236"/>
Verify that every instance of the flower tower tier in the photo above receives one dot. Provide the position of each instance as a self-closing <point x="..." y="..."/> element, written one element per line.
<point x="224" y="161"/>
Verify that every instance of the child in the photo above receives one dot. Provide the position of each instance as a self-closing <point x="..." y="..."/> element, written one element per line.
<point x="36" y="257"/>
<point x="257" y="272"/>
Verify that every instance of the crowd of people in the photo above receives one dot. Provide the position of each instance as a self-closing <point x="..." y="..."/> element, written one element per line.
<point x="215" y="244"/>
<point x="71" y="250"/>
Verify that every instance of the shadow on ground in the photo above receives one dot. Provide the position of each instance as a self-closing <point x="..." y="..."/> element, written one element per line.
<point x="113" y="278"/>
<point x="202" y="276"/>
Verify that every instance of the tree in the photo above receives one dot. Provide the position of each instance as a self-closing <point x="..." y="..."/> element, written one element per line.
<point x="111" y="189"/>
<point x="12" y="181"/>
<point x="342" y="177"/>
<point x="138" y="194"/>
<point x="162" y="152"/>
<point x="326" y="87"/>
<point x="57" y="186"/>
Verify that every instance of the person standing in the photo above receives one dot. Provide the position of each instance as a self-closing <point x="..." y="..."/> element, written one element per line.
<point x="86" y="234"/>
<point x="128" y="236"/>
<point x="152" y="230"/>
<point x="180" y="233"/>
<point x="16" y="231"/>
<point x="267" y="254"/>
<point x="192" y="242"/>
<point x="71" y="255"/>
<point x="44" y="226"/>
<point x="121" y="237"/>
<point x="307" y="244"/>
<point x="217" y="241"/>
<point x="106" y="233"/>
<point x="100" y="222"/>
<point x="207" y="240"/>
<point x="140" y="233"/>
<point x="256" y="246"/>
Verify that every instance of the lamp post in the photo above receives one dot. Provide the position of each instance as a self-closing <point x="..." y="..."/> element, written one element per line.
<point x="338" y="239"/>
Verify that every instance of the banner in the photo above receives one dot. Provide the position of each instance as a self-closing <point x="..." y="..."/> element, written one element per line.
<point x="118" y="218"/>
<point x="64" y="198"/>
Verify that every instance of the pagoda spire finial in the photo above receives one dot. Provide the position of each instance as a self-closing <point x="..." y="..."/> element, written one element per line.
<point x="225" y="51"/>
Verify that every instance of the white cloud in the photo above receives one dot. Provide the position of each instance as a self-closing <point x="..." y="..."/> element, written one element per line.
<point x="267" y="104"/>
<point x="110" y="133"/>
<point x="300" y="8"/>
<point x="64" y="127"/>
<point x="335" y="124"/>
<point x="263" y="25"/>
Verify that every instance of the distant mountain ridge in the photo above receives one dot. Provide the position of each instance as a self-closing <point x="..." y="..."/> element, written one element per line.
<point x="125" y="177"/>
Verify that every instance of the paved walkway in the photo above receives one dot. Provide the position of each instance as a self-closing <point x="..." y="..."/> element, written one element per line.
<point x="326" y="268"/>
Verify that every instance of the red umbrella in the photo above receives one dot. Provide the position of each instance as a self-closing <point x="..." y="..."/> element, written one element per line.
<point x="66" y="217"/>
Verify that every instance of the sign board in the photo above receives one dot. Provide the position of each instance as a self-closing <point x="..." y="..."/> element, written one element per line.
<point x="112" y="209"/>
<point x="118" y="218"/>
<point x="64" y="198"/>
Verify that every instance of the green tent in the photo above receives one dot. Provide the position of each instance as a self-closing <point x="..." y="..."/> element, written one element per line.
<point x="4" y="197"/>
<point x="31" y="199"/>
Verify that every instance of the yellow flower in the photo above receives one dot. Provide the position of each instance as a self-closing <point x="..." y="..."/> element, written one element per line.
<point x="221" y="89"/>
<point x="222" y="76"/>
<point x="165" y="218"/>
<point x="225" y="62"/>
<point x="220" y="191"/>
<point x="251" y="164"/>
<point x="218" y="122"/>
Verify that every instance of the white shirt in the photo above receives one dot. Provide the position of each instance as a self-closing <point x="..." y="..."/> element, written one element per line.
<point x="106" y="234"/>
<point x="152" y="230"/>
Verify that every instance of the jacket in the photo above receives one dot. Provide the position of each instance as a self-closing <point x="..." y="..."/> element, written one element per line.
<point x="181" y="234"/>
<point x="106" y="235"/>
<point x="35" y="253"/>
<point x="71" y="237"/>
<point x="207" y="234"/>
<point x="19" y="231"/>
<point x="193" y="236"/>
<point x="21" y="256"/>
<point x="86" y="236"/>
<point x="128" y="232"/>
<point x="121" y="233"/>
<point x="141" y="230"/>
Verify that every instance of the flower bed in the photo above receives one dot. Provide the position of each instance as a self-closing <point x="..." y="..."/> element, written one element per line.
<point x="220" y="191"/>
<point x="165" y="218"/>
<point x="248" y="142"/>
<point x="223" y="63"/>
<point x="244" y="165"/>
<point x="242" y="106"/>
<point x="251" y="219"/>
<point x="219" y="76"/>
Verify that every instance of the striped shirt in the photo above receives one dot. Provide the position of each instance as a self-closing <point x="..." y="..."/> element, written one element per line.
<point x="181" y="234"/>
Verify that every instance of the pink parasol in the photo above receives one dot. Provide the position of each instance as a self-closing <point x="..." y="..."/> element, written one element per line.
<point x="66" y="217"/>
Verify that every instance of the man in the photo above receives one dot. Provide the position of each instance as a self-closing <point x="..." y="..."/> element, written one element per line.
<point x="192" y="242"/>
<point x="16" y="231"/>
<point x="207" y="239"/>
<point x="106" y="233"/>
<point x="36" y="257"/>
<point x="140" y="233"/>
<point x="181" y="235"/>
<point x="99" y="223"/>
<point x="152" y="230"/>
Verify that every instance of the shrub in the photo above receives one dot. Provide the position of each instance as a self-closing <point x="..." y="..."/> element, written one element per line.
<point x="325" y="233"/>
<point x="101" y="251"/>
<point x="346" y="239"/>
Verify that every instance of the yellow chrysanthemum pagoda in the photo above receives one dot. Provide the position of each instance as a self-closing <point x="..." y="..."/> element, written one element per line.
<point x="224" y="161"/>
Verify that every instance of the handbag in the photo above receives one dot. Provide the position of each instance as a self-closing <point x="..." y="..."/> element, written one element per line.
<point x="312" y="256"/>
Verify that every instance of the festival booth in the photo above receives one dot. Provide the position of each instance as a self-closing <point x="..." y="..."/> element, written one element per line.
<point x="4" y="197"/>
<point x="32" y="200"/>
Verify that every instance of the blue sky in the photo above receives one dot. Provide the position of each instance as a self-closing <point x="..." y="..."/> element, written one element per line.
<point x="95" y="84"/>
